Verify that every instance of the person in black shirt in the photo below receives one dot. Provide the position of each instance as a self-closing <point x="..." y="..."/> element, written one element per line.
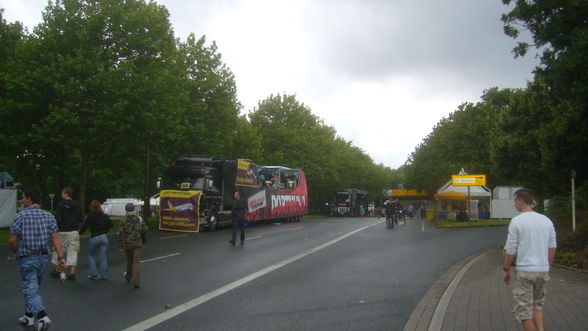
<point x="389" y="209"/>
<point x="69" y="218"/>
<point x="239" y="207"/>
<point x="99" y="224"/>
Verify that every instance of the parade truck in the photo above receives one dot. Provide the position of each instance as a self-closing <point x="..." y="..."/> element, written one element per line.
<point x="347" y="202"/>
<point x="197" y="191"/>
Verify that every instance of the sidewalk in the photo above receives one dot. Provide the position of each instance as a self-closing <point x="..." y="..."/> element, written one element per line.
<point x="471" y="296"/>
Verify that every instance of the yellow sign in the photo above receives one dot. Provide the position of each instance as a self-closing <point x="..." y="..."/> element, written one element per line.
<point x="468" y="180"/>
<point x="398" y="193"/>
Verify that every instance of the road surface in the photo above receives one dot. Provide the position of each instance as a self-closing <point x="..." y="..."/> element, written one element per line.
<point x="321" y="273"/>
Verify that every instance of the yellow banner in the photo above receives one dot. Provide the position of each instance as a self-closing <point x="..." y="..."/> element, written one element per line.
<point x="468" y="180"/>
<point x="178" y="194"/>
<point x="399" y="193"/>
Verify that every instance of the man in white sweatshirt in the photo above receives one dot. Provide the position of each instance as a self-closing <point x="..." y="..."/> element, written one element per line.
<point x="531" y="238"/>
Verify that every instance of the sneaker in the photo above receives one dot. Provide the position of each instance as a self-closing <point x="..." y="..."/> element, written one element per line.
<point x="24" y="320"/>
<point x="72" y="277"/>
<point x="232" y="242"/>
<point x="43" y="323"/>
<point x="92" y="277"/>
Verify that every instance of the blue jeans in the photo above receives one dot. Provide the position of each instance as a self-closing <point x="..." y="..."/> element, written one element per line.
<point x="238" y="224"/>
<point x="32" y="269"/>
<point x="98" y="244"/>
<point x="389" y="221"/>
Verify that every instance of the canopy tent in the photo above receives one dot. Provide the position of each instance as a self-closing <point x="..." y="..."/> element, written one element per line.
<point x="448" y="194"/>
<point x="6" y="180"/>
<point x="475" y="191"/>
<point x="7" y="207"/>
<point x="451" y="195"/>
<point x="409" y="194"/>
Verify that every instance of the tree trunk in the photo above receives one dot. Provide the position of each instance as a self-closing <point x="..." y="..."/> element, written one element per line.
<point x="84" y="178"/>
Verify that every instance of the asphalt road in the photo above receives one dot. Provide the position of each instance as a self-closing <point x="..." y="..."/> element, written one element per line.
<point x="322" y="273"/>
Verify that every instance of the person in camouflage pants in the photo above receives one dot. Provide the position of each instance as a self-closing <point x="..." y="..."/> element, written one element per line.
<point x="131" y="238"/>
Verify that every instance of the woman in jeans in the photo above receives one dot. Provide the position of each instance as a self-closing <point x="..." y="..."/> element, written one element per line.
<point x="99" y="224"/>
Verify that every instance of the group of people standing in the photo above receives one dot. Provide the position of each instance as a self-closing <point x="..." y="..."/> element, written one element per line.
<point x="391" y="209"/>
<point x="33" y="229"/>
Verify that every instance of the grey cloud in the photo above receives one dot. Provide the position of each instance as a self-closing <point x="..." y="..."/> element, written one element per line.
<point x="374" y="39"/>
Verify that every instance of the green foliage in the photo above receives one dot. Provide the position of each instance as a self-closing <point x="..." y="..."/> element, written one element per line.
<point x="460" y="140"/>
<point x="292" y="136"/>
<point x="558" y="97"/>
<point x="100" y="86"/>
<point x="209" y="120"/>
<point x="533" y="136"/>
<point x="453" y="224"/>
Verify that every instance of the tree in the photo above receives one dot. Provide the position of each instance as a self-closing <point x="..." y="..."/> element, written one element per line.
<point x="464" y="139"/>
<point x="560" y="30"/>
<point x="293" y="136"/>
<point x="102" y="79"/>
<point x="211" y="109"/>
<point x="11" y="34"/>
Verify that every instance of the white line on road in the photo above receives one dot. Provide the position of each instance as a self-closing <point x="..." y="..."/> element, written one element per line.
<point x="439" y="314"/>
<point x="160" y="318"/>
<point x="161" y="257"/>
<point x="176" y="236"/>
<point x="251" y="238"/>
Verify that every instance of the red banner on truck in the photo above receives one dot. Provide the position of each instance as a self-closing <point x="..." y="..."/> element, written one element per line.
<point x="276" y="203"/>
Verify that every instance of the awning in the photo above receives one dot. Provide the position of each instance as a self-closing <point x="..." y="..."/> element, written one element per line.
<point x="451" y="195"/>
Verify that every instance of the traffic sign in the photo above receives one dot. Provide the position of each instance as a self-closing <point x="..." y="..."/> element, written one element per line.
<point x="468" y="180"/>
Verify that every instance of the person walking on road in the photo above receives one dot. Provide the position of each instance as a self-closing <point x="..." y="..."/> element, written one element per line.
<point x="99" y="224"/>
<point x="131" y="238"/>
<point x="29" y="241"/>
<point x="239" y="207"/>
<point x="69" y="217"/>
<point x="531" y="238"/>
<point x="389" y="210"/>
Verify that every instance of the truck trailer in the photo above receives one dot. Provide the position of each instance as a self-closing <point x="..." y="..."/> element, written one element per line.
<point x="197" y="192"/>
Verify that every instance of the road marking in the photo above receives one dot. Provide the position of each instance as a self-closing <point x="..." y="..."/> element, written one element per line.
<point x="176" y="236"/>
<point x="439" y="314"/>
<point x="294" y="229"/>
<point x="161" y="257"/>
<point x="160" y="318"/>
<point x="251" y="238"/>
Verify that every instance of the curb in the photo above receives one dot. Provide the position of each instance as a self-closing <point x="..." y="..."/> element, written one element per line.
<point x="430" y="311"/>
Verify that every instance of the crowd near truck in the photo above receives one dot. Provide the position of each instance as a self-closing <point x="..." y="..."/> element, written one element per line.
<point x="347" y="202"/>
<point x="197" y="191"/>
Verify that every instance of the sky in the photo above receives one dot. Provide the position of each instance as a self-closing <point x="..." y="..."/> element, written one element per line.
<point x="381" y="72"/>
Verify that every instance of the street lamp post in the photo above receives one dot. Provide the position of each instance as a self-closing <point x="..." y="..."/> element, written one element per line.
<point x="51" y="196"/>
<point x="573" y="175"/>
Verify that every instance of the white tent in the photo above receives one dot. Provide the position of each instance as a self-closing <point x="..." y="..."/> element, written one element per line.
<point x="7" y="207"/>
<point x="475" y="191"/>
<point x="503" y="203"/>
<point x="479" y="196"/>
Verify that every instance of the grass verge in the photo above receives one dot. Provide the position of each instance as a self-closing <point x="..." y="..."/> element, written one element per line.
<point x="452" y="224"/>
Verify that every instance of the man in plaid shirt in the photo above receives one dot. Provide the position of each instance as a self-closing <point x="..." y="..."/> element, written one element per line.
<point x="29" y="240"/>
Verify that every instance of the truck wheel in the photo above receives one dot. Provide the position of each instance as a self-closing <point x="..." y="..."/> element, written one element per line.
<point x="212" y="222"/>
